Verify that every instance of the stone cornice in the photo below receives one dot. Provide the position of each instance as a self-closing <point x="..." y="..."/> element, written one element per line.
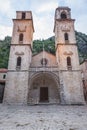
<point x="65" y="20"/>
<point x="70" y="70"/>
<point x="66" y="44"/>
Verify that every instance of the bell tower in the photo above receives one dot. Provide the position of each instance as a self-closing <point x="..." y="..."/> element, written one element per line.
<point x="16" y="89"/>
<point x="71" y="91"/>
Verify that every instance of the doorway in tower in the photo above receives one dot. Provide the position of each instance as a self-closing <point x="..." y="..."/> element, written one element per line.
<point x="44" y="88"/>
<point x="2" y="87"/>
<point x="44" y="94"/>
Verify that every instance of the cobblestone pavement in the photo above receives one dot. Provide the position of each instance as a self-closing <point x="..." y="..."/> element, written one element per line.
<point x="43" y="117"/>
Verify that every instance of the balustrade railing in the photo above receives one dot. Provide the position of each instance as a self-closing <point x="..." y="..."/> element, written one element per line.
<point x="43" y="68"/>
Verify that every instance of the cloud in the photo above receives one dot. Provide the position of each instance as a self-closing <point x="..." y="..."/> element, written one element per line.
<point x="5" y="14"/>
<point x="40" y="6"/>
<point x="78" y="5"/>
<point x="6" y="7"/>
<point x="43" y="15"/>
<point x="47" y="7"/>
<point x="81" y="24"/>
<point x="43" y="27"/>
<point x="5" y="31"/>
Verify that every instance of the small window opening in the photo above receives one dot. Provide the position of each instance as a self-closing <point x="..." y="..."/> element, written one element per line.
<point x="21" y="37"/>
<point x="69" y="66"/>
<point x="63" y="15"/>
<point x="23" y="15"/>
<point x="18" y="66"/>
<point x="4" y="76"/>
<point x="66" y="37"/>
<point x="44" y="61"/>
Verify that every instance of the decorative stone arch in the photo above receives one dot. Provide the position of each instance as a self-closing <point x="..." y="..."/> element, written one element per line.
<point x="44" y="88"/>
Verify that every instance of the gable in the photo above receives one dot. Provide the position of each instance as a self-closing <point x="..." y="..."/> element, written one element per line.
<point x="51" y="59"/>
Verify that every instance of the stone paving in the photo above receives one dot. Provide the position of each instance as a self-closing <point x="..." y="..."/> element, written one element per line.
<point x="43" y="117"/>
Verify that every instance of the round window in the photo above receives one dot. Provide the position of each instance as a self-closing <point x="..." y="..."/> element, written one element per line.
<point x="44" y="61"/>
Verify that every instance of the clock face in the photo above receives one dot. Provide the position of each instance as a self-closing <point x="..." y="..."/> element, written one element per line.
<point x="65" y="27"/>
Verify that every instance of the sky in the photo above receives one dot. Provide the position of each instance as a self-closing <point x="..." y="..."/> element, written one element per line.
<point x="43" y="15"/>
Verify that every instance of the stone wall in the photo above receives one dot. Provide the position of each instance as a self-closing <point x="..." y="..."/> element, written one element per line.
<point x="24" y="52"/>
<point x="63" y="51"/>
<point x="16" y="89"/>
<point x="51" y="59"/>
<point x="72" y="87"/>
<point x="83" y="67"/>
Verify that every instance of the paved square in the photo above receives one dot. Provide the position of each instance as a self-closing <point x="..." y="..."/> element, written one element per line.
<point x="43" y="117"/>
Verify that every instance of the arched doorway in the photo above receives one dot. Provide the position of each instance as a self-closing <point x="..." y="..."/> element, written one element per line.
<point x="43" y="88"/>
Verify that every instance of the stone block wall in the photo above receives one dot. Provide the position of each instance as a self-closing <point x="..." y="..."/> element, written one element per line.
<point x="72" y="87"/>
<point x="16" y="89"/>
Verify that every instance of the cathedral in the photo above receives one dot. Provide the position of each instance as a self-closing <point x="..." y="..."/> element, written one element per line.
<point x="43" y="78"/>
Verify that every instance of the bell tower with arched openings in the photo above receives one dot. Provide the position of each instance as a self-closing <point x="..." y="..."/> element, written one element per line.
<point x="19" y="58"/>
<point x="67" y="57"/>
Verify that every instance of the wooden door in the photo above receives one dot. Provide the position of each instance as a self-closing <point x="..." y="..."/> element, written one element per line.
<point x="44" y="94"/>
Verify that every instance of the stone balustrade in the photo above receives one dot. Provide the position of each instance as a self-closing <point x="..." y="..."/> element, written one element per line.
<point x="44" y="68"/>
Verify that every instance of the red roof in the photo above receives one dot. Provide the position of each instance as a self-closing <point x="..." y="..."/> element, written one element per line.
<point x="2" y="81"/>
<point x="3" y="70"/>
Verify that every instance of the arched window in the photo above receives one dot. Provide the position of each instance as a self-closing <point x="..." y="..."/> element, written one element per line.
<point x="23" y="15"/>
<point x="69" y="66"/>
<point x="18" y="62"/>
<point x="63" y="15"/>
<point x="66" y="37"/>
<point x="21" y="37"/>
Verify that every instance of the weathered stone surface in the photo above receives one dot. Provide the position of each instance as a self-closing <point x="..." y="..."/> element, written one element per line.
<point x="83" y="67"/>
<point x="50" y="117"/>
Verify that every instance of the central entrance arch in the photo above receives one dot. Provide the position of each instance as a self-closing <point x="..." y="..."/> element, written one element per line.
<point x="43" y="88"/>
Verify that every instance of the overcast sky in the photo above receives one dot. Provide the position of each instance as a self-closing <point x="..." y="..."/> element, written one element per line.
<point x="43" y="15"/>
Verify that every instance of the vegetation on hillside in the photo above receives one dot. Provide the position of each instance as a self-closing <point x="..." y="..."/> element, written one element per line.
<point x="82" y="45"/>
<point x="49" y="45"/>
<point x="4" y="51"/>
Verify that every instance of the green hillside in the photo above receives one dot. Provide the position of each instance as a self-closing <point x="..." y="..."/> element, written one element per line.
<point x="4" y="51"/>
<point x="49" y="46"/>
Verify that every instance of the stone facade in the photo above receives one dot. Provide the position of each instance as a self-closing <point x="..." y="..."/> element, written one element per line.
<point x="67" y="57"/>
<point x="83" y="67"/>
<point x="19" y="60"/>
<point x="44" y="78"/>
